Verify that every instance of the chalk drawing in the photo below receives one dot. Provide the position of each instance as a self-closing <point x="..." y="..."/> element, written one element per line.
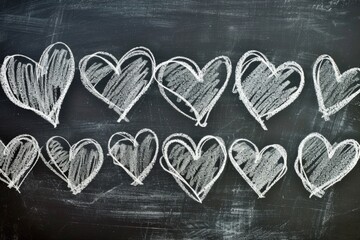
<point x="40" y="87"/>
<point x="264" y="89"/>
<point x="194" y="167"/>
<point x="320" y="164"/>
<point x="136" y="155"/>
<point x="260" y="169"/>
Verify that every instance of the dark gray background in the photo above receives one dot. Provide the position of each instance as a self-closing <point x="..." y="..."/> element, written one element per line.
<point x="109" y="206"/>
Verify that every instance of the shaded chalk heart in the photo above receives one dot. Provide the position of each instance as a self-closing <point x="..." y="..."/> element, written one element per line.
<point x="40" y="87"/>
<point x="320" y="164"/>
<point x="190" y="90"/>
<point x="121" y="83"/>
<point x="194" y="168"/>
<point x="333" y="89"/>
<point x="78" y="164"/>
<point x="261" y="170"/>
<point x="17" y="159"/>
<point x="136" y="155"/>
<point x="264" y="89"/>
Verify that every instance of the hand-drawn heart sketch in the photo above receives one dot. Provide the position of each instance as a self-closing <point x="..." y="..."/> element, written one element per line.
<point x="78" y="164"/>
<point x="121" y="83"/>
<point x="136" y="155"/>
<point x="194" y="168"/>
<point x="17" y="159"/>
<point x="40" y="87"/>
<point x="320" y="164"/>
<point x="192" y="87"/>
<point x="261" y="170"/>
<point x="264" y="89"/>
<point x="333" y="89"/>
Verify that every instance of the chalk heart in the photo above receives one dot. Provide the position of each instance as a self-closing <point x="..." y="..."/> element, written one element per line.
<point x="194" y="167"/>
<point x="118" y="83"/>
<point x="333" y="89"/>
<point x="17" y="158"/>
<point x="264" y="89"/>
<point x="260" y="169"/>
<point x="78" y="164"/>
<point x="39" y="86"/>
<point x="320" y="164"/>
<point x="136" y="155"/>
<point x="190" y="90"/>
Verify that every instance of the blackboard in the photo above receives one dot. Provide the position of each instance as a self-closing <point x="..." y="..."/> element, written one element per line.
<point x="200" y="30"/>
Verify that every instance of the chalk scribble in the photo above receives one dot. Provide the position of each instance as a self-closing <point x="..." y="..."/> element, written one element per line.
<point x="40" y="87"/>
<point x="320" y="164"/>
<point x="260" y="169"/>
<point x="333" y="89"/>
<point x="17" y="158"/>
<point x="193" y="91"/>
<point x="121" y="83"/>
<point x="264" y="89"/>
<point x="136" y="155"/>
<point x="194" y="167"/>
<point x="78" y="164"/>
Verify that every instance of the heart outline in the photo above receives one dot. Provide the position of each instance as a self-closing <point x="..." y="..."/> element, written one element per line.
<point x="327" y="112"/>
<point x="73" y="150"/>
<point x="259" y="155"/>
<point x="137" y="51"/>
<point x="128" y="137"/>
<point x="175" y="138"/>
<point x="198" y="73"/>
<point x="14" y="183"/>
<point x="53" y="116"/>
<point x="330" y="149"/>
<point x="260" y="57"/>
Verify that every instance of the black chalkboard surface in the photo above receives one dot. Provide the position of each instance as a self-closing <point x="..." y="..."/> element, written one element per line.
<point x="200" y="30"/>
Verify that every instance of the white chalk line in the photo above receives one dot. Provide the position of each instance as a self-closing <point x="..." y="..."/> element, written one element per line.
<point x="331" y="150"/>
<point x="69" y="175"/>
<point x="30" y="160"/>
<point x="138" y="180"/>
<point x="258" y="157"/>
<point x="256" y="56"/>
<point x="340" y="78"/>
<point x="137" y="51"/>
<point x="52" y="112"/>
<point x="193" y="68"/>
<point x="195" y="151"/>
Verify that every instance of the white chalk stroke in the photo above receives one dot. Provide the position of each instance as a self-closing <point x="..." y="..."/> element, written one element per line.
<point x="119" y="83"/>
<point x="320" y="164"/>
<point x="17" y="158"/>
<point x="264" y="89"/>
<point x="40" y="87"/>
<point x="78" y="164"/>
<point x="260" y="169"/>
<point x="333" y="89"/>
<point x="194" y="167"/>
<point x="190" y="90"/>
<point x="136" y="155"/>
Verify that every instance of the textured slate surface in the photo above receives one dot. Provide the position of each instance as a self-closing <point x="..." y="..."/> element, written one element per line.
<point x="110" y="207"/>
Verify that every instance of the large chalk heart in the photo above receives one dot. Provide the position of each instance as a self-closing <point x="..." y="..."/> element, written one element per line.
<point x="121" y="83"/>
<point x="78" y="164"/>
<point x="40" y="87"/>
<point x="17" y="159"/>
<point x="261" y="170"/>
<point x="136" y="155"/>
<point x="333" y="89"/>
<point x="264" y="89"/>
<point x="190" y="90"/>
<point x="194" y="168"/>
<point x="320" y="164"/>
